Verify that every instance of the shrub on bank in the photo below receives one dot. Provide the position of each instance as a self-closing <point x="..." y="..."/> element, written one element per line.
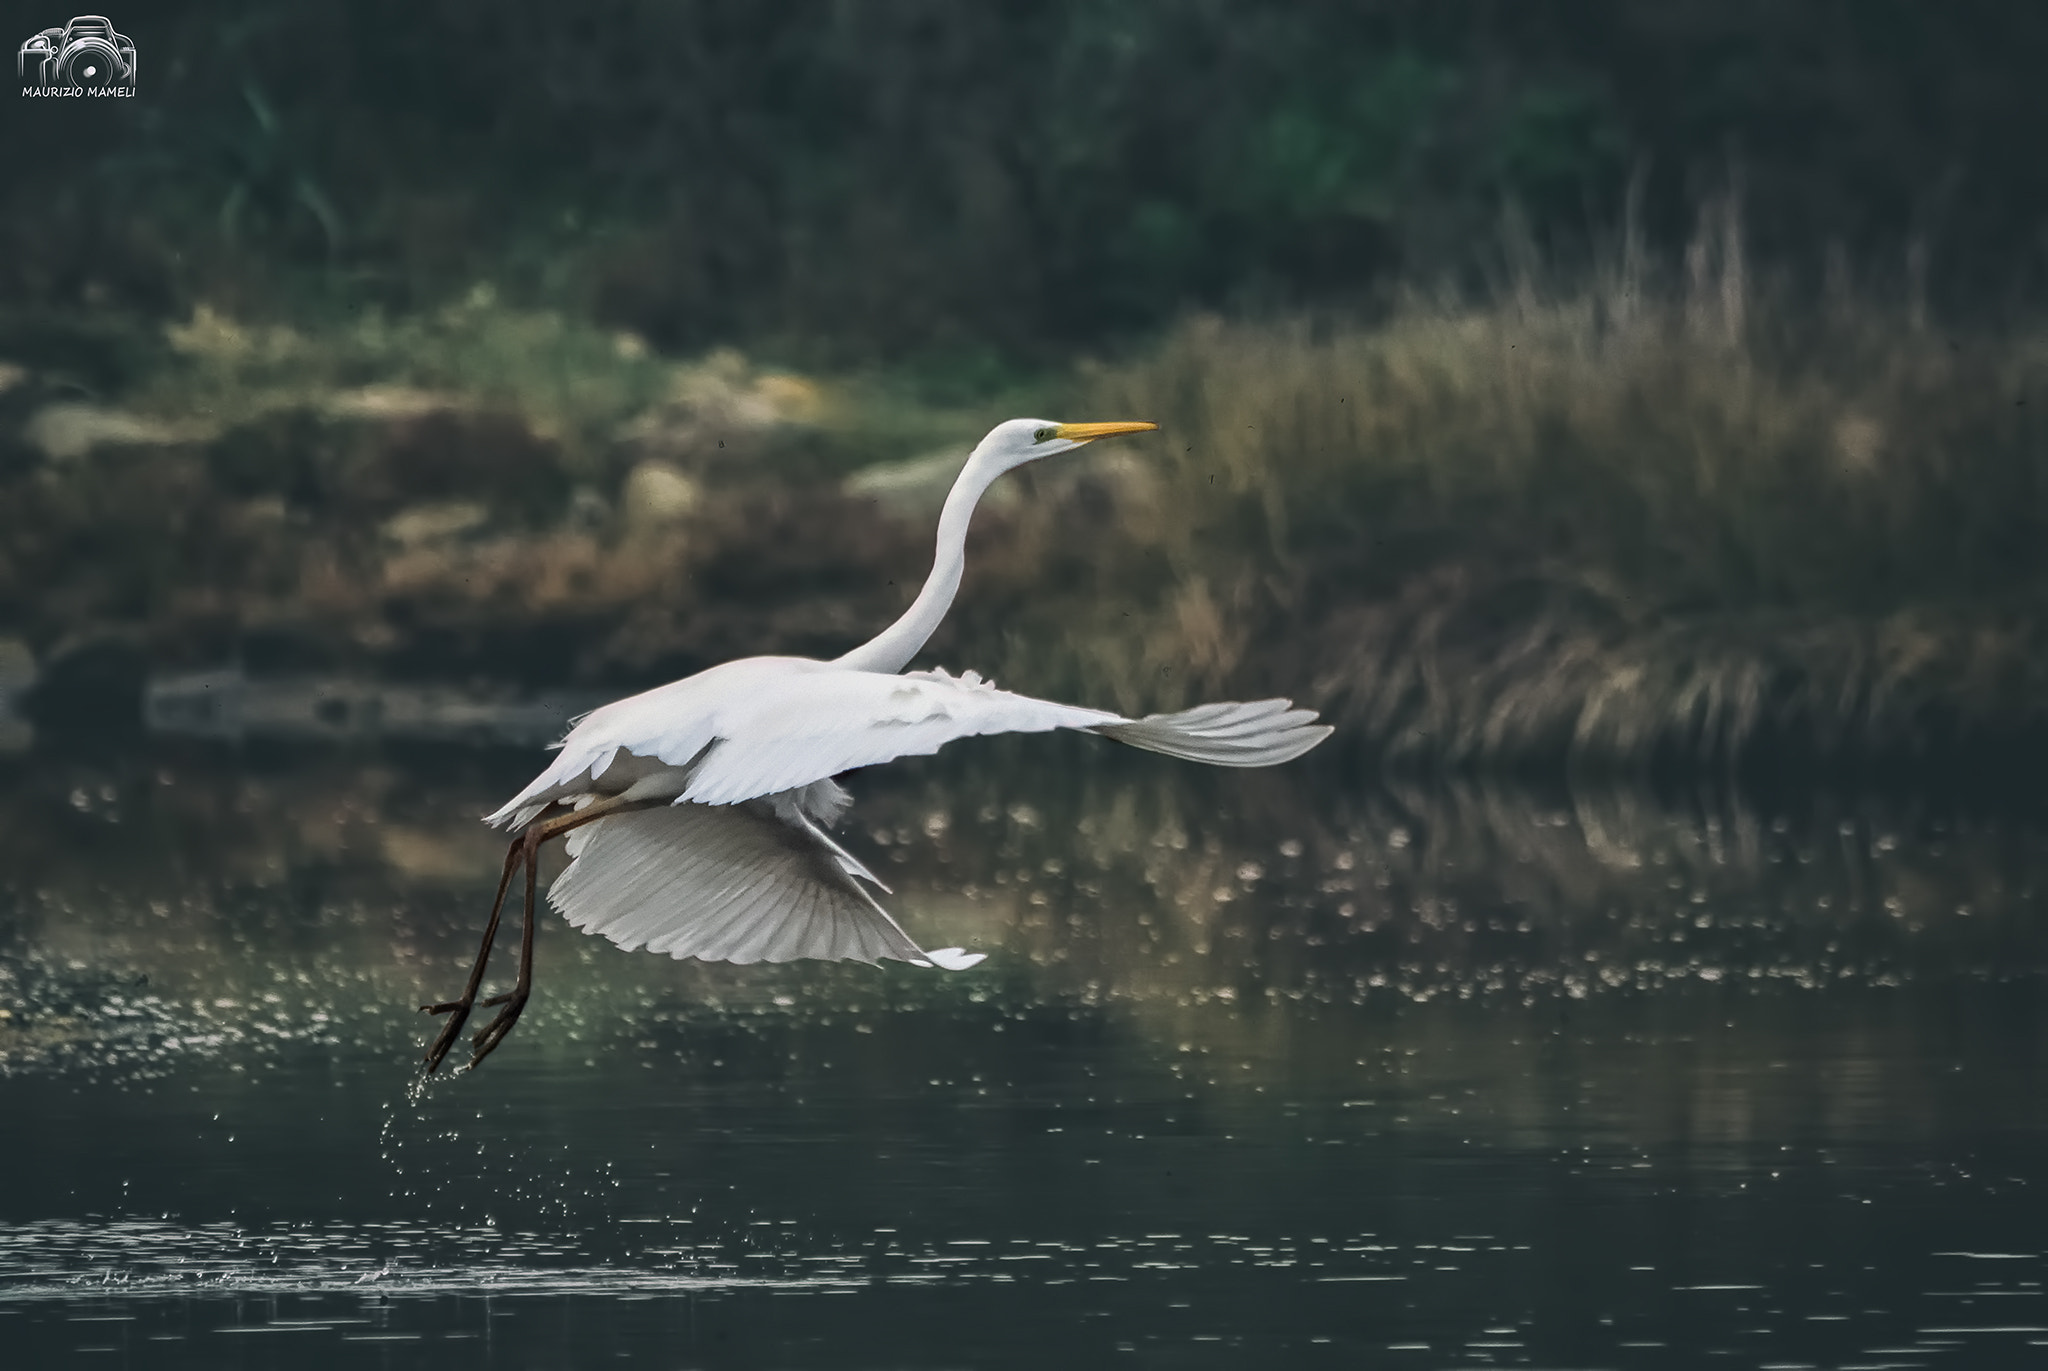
<point x="1611" y="524"/>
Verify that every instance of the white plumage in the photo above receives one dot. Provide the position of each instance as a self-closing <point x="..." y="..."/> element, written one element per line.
<point x="751" y="882"/>
<point x="736" y="866"/>
<point x="768" y="724"/>
<point x="695" y="813"/>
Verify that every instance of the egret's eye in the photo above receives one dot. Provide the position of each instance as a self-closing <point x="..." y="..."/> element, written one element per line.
<point x="1046" y="434"/>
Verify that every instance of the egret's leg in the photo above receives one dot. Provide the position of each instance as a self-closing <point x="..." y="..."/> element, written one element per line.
<point x="513" y="1002"/>
<point x="527" y="848"/>
<point x="524" y="984"/>
<point x="458" y="1009"/>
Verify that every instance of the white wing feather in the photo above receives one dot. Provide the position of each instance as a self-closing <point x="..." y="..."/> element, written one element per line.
<point x="755" y="882"/>
<point x="1262" y="733"/>
<point x="736" y="868"/>
<point x="766" y="725"/>
<point x="769" y="724"/>
<point x="806" y="727"/>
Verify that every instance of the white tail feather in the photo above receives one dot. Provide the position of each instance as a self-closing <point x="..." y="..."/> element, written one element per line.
<point x="1260" y="733"/>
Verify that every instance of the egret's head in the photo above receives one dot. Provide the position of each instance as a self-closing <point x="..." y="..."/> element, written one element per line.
<point x="1018" y="441"/>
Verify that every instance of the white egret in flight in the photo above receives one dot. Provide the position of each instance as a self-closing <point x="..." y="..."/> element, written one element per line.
<point x="697" y="811"/>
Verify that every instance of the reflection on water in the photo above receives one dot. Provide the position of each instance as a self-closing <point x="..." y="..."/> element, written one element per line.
<point x="231" y="705"/>
<point x="1263" y="1069"/>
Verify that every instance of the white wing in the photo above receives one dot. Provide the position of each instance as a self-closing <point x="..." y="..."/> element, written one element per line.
<point x="754" y="882"/>
<point x="766" y="725"/>
<point x="806" y="727"/>
<point x="769" y="724"/>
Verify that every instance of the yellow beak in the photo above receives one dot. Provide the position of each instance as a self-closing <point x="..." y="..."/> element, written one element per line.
<point x="1088" y="433"/>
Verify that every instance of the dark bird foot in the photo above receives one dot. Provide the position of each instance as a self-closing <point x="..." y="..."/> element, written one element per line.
<point x="458" y="1013"/>
<point x="493" y="1033"/>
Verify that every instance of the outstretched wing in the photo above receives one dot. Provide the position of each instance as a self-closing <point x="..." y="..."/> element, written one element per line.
<point x="764" y="725"/>
<point x="767" y="725"/>
<point x="803" y="728"/>
<point x="752" y="882"/>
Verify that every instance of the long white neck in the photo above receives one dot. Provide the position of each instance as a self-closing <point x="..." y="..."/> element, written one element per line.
<point x="892" y="648"/>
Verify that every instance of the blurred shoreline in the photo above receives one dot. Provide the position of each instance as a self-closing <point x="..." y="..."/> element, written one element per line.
<point x="1640" y="523"/>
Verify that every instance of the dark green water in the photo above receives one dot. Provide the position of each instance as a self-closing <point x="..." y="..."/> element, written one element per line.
<point x="1262" y="1070"/>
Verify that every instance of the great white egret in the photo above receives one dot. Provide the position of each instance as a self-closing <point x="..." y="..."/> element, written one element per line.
<point x="697" y="810"/>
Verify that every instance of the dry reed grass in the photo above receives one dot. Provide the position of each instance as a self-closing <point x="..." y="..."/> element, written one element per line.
<point x="1621" y="524"/>
<point x="1655" y="516"/>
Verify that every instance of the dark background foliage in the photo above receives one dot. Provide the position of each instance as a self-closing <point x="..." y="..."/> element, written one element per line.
<point x="919" y="176"/>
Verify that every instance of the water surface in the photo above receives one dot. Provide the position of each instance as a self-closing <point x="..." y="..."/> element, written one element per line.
<point x="1263" y="1069"/>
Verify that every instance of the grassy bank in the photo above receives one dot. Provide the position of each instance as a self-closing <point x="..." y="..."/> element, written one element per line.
<point x="1608" y="527"/>
<point x="1616" y="526"/>
<point x="479" y="491"/>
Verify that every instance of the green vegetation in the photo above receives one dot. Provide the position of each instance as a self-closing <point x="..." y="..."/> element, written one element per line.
<point x="529" y="343"/>
<point x="1608" y="525"/>
<point x="831" y="183"/>
<point x="1654" y="517"/>
<point x="569" y="381"/>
